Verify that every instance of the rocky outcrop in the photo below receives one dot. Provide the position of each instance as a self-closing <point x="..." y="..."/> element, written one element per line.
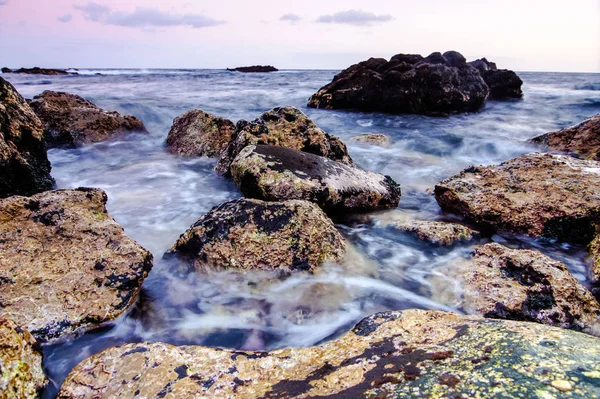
<point x="415" y="353"/>
<point x="378" y="139"/>
<point x="582" y="139"/>
<point x="286" y="127"/>
<point x="65" y="265"/>
<point x="406" y="84"/>
<point x="256" y="235"/>
<point x="535" y="194"/>
<point x="38" y="71"/>
<point x="24" y="165"/>
<point x="594" y="249"/>
<point x="254" y="69"/>
<point x="72" y="121"/>
<point x="275" y="173"/>
<point x="197" y="133"/>
<point x="503" y="83"/>
<point x="21" y="374"/>
<point x="437" y="233"/>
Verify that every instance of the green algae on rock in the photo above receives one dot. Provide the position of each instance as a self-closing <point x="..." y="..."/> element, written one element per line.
<point x="378" y="139"/>
<point x="197" y="133"/>
<point x="65" y="265"/>
<point x="409" y="354"/>
<point x="434" y="232"/>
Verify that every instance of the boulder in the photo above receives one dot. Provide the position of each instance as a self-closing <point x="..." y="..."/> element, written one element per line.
<point x="536" y="194"/>
<point x="414" y="353"/>
<point x="249" y="234"/>
<point x="275" y="173"/>
<point x="24" y="165"/>
<point x="6" y="70"/>
<point x="21" y="374"/>
<point x="197" y="133"/>
<point x="503" y="83"/>
<point x="378" y="139"/>
<point x="437" y="233"/>
<point x="65" y="265"/>
<point x="286" y="127"/>
<point x="254" y="69"/>
<point x="72" y="121"/>
<point x="407" y="84"/>
<point x="582" y="139"/>
<point x="38" y="71"/>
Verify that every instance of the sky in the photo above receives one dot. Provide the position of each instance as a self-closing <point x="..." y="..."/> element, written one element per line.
<point x="524" y="35"/>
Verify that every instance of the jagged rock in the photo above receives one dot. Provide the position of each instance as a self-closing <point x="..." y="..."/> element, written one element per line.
<point x="437" y="84"/>
<point x="582" y="139"/>
<point x="65" y="265"/>
<point x="379" y="139"/>
<point x="414" y="353"/>
<point x="255" y="68"/>
<point x="275" y="173"/>
<point x="438" y="233"/>
<point x="197" y="133"/>
<point x="535" y="194"/>
<point x="594" y="249"/>
<point x="38" y="71"/>
<point x="286" y="127"/>
<point x="71" y="120"/>
<point x="24" y="165"/>
<point x="503" y="83"/>
<point x="257" y="235"/>
<point x="21" y="374"/>
<point x="518" y="284"/>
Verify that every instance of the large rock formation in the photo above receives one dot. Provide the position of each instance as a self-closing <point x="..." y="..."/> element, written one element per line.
<point x="535" y="194"/>
<point x="408" y="83"/>
<point x="415" y="353"/>
<point x="254" y="69"/>
<point x="21" y="374"/>
<point x="197" y="133"/>
<point x="503" y="83"/>
<point x="38" y="71"/>
<point x="257" y="235"/>
<point x="24" y="165"/>
<point x="65" y="265"/>
<point x="433" y="232"/>
<point x="71" y="120"/>
<point x="286" y="127"/>
<point x="276" y="173"/>
<point x="582" y="139"/>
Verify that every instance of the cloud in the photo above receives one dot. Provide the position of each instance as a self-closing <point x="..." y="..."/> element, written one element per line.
<point x="143" y="17"/>
<point x="290" y="18"/>
<point x="3" y="2"/>
<point x="65" y="18"/>
<point x="354" y="17"/>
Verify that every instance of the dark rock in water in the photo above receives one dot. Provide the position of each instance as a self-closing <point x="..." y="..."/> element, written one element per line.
<point x="255" y="68"/>
<point x="39" y="71"/>
<point x="6" y="70"/>
<point x="582" y="139"/>
<point x="197" y="133"/>
<point x="72" y="121"/>
<point x="286" y="127"/>
<point x="249" y="234"/>
<point x="408" y="354"/>
<point x="503" y="83"/>
<point x="408" y="83"/>
<point x="66" y="265"/>
<point x="483" y="65"/>
<point x="24" y="165"/>
<point x="275" y="173"/>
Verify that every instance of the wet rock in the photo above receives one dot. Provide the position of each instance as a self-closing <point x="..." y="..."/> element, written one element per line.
<point x="415" y="353"/>
<point x="503" y="83"/>
<point x="582" y="139"/>
<point x="594" y="249"/>
<point x="21" y="374"/>
<point x="24" y="165"/>
<point x="286" y="127"/>
<point x="255" y="69"/>
<point x="197" y="133"/>
<point x="72" y="121"/>
<point x="38" y="71"/>
<point x="65" y="265"/>
<point x="438" y="233"/>
<point x="535" y="194"/>
<point x="275" y="173"/>
<point x="379" y="139"/>
<point x="407" y="84"/>
<point x="6" y="70"/>
<point x="256" y="235"/>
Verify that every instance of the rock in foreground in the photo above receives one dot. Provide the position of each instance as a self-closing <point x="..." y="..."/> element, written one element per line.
<point x="415" y="353"/>
<point x="24" y="165"/>
<point x="72" y="121"/>
<point x="536" y="194"/>
<point x="254" y="69"/>
<point x="582" y="139"/>
<point x="503" y="83"/>
<point x="65" y="265"/>
<point x="256" y="235"/>
<point x="197" y="133"/>
<point x="276" y="173"/>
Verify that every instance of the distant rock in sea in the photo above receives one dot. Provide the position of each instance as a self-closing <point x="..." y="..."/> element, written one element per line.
<point x="38" y="71"/>
<point x="255" y="68"/>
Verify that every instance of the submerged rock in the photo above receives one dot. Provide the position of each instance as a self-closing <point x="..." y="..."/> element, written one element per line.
<point x="275" y="173"/>
<point x="71" y="120"/>
<point x="66" y="266"/>
<point x="257" y="235"/>
<point x="255" y="68"/>
<point x="24" y="165"/>
<point x="286" y="127"/>
<point x="38" y="71"/>
<point x="21" y="374"/>
<point x="503" y="83"/>
<point x="536" y="194"/>
<point x="197" y="133"/>
<point x="438" y="233"/>
<point x="415" y="353"/>
<point x="582" y="139"/>
<point x="379" y="139"/>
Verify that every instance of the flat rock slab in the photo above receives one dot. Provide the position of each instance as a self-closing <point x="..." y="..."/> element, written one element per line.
<point x="276" y="173"/>
<point x="65" y="265"/>
<point x="249" y="234"/>
<point x="437" y="233"/>
<point x="378" y="139"/>
<point x="536" y="194"/>
<point x="197" y="133"/>
<point x="410" y="354"/>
